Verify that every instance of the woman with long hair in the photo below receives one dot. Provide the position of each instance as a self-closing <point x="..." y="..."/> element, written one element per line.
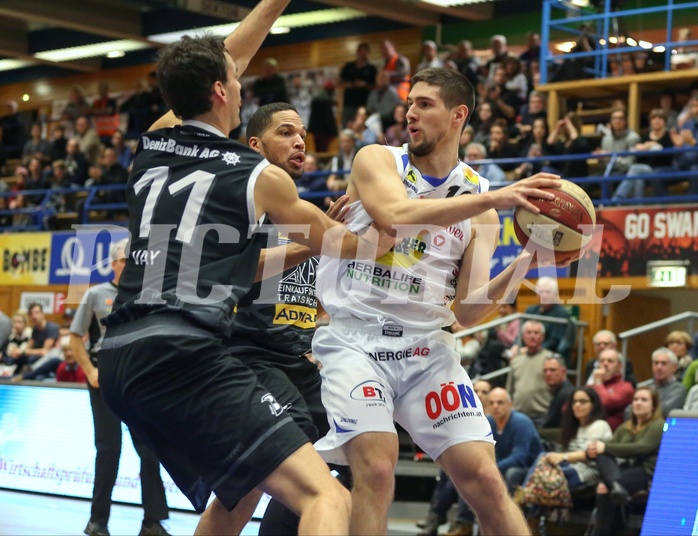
<point x="583" y="421"/>
<point x="636" y="441"/>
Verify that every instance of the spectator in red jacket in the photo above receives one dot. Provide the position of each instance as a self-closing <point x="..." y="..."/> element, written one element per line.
<point x="615" y="393"/>
<point x="69" y="370"/>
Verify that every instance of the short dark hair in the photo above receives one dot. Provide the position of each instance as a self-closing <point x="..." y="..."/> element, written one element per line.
<point x="260" y="120"/>
<point x="33" y="305"/>
<point x="454" y="88"/>
<point x="188" y="69"/>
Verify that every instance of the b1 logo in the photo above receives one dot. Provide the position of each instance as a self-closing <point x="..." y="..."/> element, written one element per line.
<point x="450" y="398"/>
<point x="370" y="390"/>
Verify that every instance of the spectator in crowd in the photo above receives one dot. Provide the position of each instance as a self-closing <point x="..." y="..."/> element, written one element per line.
<point x="398" y="68"/>
<point x="383" y="99"/>
<point x="637" y="442"/>
<point x="342" y="161"/>
<point x="499" y="53"/>
<point x="582" y="423"/>
<point x="35" y="181"/>
<point x="362" y="133"/>
<point x="12" y="130"/>
<point x="532" y="52"/>
<point x="76" y="165"/>
<point x="666" y="104"/>
<point x="491" y="171"/>
<point x="323" y="124"/>
<point x="602" y="340"/>
<point x="300" y="96"/>
<point x="18" y="339"/>
<point x="534" y="146"/>
<point x="104" y="114"/>
<point x="271" y="86"/>
<point x="137" y="106"/>
<point x="672" y="393"/>
<point x="124" y="153"/>
<point x="515" y="79"/>
<point x="69" y="370"/>
<point x="36" y="146"/>
<point x="566" y="139"/>
<point x="619" y="138"/>
<point x="517" y="447"/>
<point x="88" y="140"/>
<point x="77" y="106"/>
<point x="555" y="376"/>
<point x="690" y="376"/>
<point x="680" y="343"/>
<point x="396" y="135"/>
<point x="357" y="78"/>
<point x="615" y="393"/>
<point x="687" y="136"/>
<point x="559" y="337"/>
<point x="109" y="173"/>
<point x="58" y="202"/>
<point x="482" y="123"/>
<point x="309" y="182"/>
<point x="499" y="145"/>
<point x="526" y="382"/>
<point x="656" y="139"/>
<point x="58" y="143"/>
<point x="430" y="57"/>
<point x="466" y="138"/>
<point x="534" y="109"/>
<point x="467" y="62"/>
<point x="505" y="103"/>
<point x="508" y="333"/>
<point x="156" y="103"/>
<point x="43" y="338"/>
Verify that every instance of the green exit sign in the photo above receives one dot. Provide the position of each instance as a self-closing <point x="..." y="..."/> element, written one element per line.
<point x="666" y="274"/>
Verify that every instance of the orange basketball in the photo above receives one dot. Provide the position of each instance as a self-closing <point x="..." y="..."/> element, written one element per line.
<point x="565" y="224"/>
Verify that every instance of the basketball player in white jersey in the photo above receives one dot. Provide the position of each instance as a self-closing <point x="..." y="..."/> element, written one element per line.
<point x="384" y="355"/>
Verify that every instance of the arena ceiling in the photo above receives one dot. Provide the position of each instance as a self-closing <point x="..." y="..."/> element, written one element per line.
<point x="89" y="35"/>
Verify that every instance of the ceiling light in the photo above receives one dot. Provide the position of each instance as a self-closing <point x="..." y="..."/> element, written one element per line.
<point x="296" y="20"/>
<point x="8" y="65"/>
<point x="280" y="30"/>
<point x="567" y="46"/>
<point x="645" y="44"/>
<point x="25" y="97"/>
<point x="660" y="49"/>
<point x="90" y="51"/>
<point x="116" y="54"/>
<point x="630" y="41"/>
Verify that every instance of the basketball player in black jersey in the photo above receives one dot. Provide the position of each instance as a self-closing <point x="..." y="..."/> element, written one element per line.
<point x="274" y="324"/>
<point x="194" y="196"/>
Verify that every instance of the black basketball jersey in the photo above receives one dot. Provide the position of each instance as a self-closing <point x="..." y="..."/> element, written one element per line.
<point x="192" y="213"/>
<point x="280" y="312"/>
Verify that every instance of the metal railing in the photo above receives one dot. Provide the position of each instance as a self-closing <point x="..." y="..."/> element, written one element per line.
<point x="605" y="28"/>
<point x="580" y="328"/>
<point x="625" y="336"/>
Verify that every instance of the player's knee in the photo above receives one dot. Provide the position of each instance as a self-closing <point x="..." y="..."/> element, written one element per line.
<point x="378" y="474"/>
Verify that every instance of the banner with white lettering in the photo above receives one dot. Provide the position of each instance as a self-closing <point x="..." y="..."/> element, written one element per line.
<point x="82" y="257"/>
<point x="633" y="236"/>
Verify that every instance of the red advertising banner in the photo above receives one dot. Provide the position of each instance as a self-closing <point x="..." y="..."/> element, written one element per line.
<point x="633" y="236"/>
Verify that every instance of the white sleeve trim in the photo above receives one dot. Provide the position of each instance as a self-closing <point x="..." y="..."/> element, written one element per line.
<point x="251" y="210"/>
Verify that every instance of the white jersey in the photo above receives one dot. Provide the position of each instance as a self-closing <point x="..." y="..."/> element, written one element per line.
<point x="414" y="284"/>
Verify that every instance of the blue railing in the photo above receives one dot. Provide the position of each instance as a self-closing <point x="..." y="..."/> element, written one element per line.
<point x="602" y="24"/>
<point x="42" y="212"/>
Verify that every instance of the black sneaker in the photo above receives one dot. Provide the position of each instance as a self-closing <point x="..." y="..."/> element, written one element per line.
<point x="95" y="529"/>
<point x="153" y="529"/>
<point x="619" y="495"/>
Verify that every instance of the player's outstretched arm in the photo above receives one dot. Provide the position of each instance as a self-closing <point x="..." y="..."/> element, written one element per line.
<point x="276" y="195"/>
<point x="375" y="181"/>
<point x="242" y="44"/>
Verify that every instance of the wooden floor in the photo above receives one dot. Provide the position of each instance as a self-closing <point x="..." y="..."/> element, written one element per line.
<point x="32" y="514"/>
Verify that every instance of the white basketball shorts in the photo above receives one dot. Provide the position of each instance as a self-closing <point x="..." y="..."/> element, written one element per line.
<point x="370" y="379"/>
